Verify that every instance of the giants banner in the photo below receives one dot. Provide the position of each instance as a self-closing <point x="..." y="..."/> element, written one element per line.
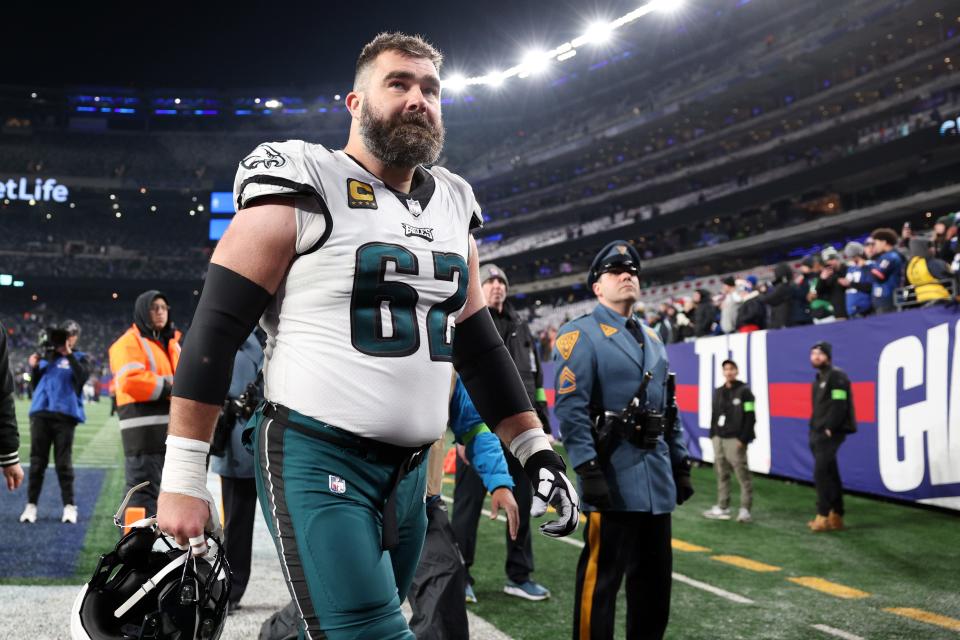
<point x="905" y="370"/>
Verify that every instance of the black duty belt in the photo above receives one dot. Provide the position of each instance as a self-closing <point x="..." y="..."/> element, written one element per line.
<point x="644" y="431"/>
<point x="405" y="458"/>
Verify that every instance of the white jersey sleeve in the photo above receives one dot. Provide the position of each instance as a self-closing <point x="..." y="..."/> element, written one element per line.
<point x="284" y="169"/>
<point x="465" y="192"/>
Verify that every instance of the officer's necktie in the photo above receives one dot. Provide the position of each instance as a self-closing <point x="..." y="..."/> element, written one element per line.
<point x="633" y="328"/>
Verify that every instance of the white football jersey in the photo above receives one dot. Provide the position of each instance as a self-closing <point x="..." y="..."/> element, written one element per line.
<point x="360" y="330"/>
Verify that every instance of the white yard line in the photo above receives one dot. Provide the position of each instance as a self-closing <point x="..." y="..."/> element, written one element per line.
<point x="837" y="633"/>
<point x="679" y="577"/>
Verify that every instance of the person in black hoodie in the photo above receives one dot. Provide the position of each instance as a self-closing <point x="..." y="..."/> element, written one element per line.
<point x="705" y="315"/>
<point x="731" y="431"/>
<point x="832" y="420"/>
<point x="9" y="435"/>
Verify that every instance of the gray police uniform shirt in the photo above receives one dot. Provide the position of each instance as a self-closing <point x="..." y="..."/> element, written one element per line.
<point x="237" y="461"/>
<point x="597" y="360"/>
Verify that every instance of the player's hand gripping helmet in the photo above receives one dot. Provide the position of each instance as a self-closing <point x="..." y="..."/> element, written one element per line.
<point x="148" y="587"/>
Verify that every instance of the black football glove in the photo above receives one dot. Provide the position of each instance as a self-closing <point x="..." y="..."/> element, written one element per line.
<point x="594" y="485"/>
<point x="681" y="478"/>
<point x="547" y="473"/>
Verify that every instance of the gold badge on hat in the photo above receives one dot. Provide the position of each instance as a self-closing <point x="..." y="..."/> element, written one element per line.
<point x="622" y="248"/>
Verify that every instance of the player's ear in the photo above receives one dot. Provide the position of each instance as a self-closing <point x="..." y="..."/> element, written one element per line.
<point x="354" y="102"/>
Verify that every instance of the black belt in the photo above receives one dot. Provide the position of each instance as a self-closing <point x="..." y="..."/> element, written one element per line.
<point x="406" y="458"/>
<point x="643" y="431"/>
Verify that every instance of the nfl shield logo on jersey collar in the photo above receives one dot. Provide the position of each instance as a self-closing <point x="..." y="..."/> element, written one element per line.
<point x="413" y="206"/>
<point x="337" y="484"/>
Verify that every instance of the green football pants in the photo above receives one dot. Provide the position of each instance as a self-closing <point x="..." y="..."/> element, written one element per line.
<point x="323" y="504"/>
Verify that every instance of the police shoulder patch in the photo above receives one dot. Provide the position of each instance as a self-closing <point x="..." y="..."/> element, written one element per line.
<point x="567" y="342"/>
<point x="567" y="381"/>
<point x="608" y="330"/>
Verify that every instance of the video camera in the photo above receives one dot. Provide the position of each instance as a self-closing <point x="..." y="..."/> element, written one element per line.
<point x="52" y="338"/>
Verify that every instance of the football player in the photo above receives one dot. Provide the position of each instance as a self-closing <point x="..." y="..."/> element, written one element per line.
<point x="358" y="264"/>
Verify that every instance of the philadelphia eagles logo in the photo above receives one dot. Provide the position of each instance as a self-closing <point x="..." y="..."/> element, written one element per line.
<point x="265" y="156"/>
<point x="420" y="232"/>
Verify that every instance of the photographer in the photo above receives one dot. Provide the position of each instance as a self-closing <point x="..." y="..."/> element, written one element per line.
<point x="234" y="463"/>
<point x="58" y="375"/>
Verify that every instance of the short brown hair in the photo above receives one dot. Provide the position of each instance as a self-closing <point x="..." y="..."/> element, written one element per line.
<point x="886" y="234"/>
<point x="411" y="46"/>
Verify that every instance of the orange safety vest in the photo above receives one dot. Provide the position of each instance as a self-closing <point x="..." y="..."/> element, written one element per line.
<point x="924" y="284"/>
<point x="140" y="368"/>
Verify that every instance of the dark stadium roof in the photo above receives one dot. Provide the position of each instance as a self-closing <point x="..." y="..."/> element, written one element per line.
<point x="267" y="44"/>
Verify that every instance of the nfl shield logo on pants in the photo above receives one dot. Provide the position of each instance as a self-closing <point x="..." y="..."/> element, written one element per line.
<point x="338" y="484"/>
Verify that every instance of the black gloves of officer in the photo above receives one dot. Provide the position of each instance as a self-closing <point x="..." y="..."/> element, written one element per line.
<point x="594" y="485"/>
<point x="547" y="473"/>
<point x="681" y="478"/>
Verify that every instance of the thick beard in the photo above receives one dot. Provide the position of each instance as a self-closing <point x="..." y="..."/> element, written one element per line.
<point x="405" y="141"/>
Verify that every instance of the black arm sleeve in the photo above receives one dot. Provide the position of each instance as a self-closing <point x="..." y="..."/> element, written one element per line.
<point x="229" y="308"/>
<point x="487" y="370"/>
<point x="9" y="436"/>
<point x="36" y="373"/>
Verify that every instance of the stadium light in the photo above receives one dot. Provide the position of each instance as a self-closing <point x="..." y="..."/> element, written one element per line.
<point x="493" y="79"/>
<point x="455" y="83"/>
<point x="273" y="104"/>
<point x="598" y="32"/>
<point x="535" y="62"/>
<point x="667" y="6"/>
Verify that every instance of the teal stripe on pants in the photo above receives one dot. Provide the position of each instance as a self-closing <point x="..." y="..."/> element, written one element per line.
<point x="330" y="542"/>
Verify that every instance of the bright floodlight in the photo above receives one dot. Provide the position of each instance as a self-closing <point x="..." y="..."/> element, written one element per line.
<point x="455" y="83"/>
<point x="273" y="104"/>
<point x="667" y="6"/>
<point x="536" y="61"/>
<point x="598" y="32"/>
<point x="494" y="78"/>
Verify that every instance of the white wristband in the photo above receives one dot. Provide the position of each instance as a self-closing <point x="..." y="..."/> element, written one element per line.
<point x="185" y="467"/>
<point x="528" y="443"/>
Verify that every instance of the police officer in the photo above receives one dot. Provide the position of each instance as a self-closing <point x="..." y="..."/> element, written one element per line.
<point x="469" y="492"/>
<point x="231" y="460"/>
<point x="632" y="464"/>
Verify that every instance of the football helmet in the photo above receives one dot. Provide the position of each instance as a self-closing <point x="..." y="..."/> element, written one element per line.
<point x="148" y="587"/>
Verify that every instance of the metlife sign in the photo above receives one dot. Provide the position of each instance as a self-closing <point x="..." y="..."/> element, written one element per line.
<point x="39" y="190"/>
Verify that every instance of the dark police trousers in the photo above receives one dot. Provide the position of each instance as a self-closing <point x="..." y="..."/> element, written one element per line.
<point x="468" y="496"/>
<point x="239" y="510"/>
<point x="56" y="430"/>
<point x="622" y="544"/>
<point x="826" y="472"/>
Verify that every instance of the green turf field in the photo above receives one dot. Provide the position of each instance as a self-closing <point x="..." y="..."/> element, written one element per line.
<point x="897" y="556"/>
<point x="893" y="556"/>
<point x="96" y="444"/>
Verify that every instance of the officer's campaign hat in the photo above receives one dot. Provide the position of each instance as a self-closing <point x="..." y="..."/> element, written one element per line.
<point x="616" y="254"/>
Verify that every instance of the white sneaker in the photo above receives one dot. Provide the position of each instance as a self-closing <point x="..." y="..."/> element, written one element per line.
<point x="744" y="516"/>
<point x="69" y="513"/>
<point x="716" y="513"/>
<point x="29" y="513"/>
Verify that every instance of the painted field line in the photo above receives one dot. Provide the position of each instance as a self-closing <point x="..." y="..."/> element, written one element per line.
<point x="679" y="577"/>
<point x="925" y="616"/>
<point x="746" y="563"/>
<point x="830" y="588"/>
<point x="689" y="547"/>
<point x="837" y="633"/>
<point x="717" y="591"/>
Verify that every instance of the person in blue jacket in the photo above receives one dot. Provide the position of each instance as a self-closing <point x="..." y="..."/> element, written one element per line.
<point x="858" y="281"/>
<point x="633" y="468"/>
<point x="57" y="377"/>
<point x="235" y="465"/>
